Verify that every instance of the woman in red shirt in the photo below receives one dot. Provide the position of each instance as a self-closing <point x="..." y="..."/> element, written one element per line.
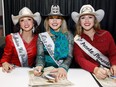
<point x="88" y="28"/>
<point x="20" y="48"/>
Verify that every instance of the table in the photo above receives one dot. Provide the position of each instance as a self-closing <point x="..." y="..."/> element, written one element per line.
<point x="81" y="78"/>
<point x="19" y="78"/>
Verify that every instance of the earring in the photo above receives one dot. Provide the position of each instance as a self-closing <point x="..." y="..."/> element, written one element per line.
<point x="20" y="31"/>
<point x="33" y="29"/>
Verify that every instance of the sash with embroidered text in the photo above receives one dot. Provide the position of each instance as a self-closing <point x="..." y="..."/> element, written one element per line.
<point x="92" y="51"/>
<point x="49" y="45"/>
<point x="20" y="48"/>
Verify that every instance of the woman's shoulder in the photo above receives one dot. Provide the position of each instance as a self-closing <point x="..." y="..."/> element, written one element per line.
<point x="69" y="34"/>
<point x="70" y="37"/>
<point x="102" y="32"/>
<point x="8" y="36"/>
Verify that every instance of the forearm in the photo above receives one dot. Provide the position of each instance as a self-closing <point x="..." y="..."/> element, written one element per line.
<point x="40" y="59"/>
<point x="66" y="63"/>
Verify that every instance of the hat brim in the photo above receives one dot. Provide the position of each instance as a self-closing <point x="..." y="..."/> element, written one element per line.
<point x="36" y="16"/>
<point x="99" y="14"/>
<point x="55" y="15"/>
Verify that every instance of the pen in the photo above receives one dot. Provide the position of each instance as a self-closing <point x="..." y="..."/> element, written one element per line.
<point x="109" y="73"/>
<point x="14" y="65"/>
<point x="37" y="69"/>
<point x="107" y="69"/>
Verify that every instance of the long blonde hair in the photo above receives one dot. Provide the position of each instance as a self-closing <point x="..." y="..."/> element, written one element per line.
<point x="63" y="27"/>
<point x="79" y="28"/>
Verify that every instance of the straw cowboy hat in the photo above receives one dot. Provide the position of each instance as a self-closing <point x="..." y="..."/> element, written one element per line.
<point x="88" y="9"/>
<point x="55" y="10"/>
<point x="26" y="12"/>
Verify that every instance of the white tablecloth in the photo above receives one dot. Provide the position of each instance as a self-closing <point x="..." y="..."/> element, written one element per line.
<point x="19" y="78"/>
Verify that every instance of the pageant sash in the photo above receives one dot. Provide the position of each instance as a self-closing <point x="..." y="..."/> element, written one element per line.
<point x="49" y="45"/>
<point x="20" y="48"/>
<point x="92" y="51"/>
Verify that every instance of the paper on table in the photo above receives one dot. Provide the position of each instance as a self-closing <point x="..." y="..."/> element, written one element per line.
<point x="35" y="81"/>
<point x="108" y="82"/>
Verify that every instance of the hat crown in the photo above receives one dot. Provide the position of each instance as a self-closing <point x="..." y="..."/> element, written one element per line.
<point x="55" y="9"/>
<point x="87" y="9"/>
<point x="25" y="11"/>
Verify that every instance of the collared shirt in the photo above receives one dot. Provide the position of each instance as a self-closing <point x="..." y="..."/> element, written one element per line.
<point x="42" y="55"/>
<point x="104" y="42"/>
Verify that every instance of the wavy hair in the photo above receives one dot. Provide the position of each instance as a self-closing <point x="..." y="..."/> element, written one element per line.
<point x="79" y="28"/>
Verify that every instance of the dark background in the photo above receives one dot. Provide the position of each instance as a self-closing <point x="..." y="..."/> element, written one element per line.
<point x="66" y="6"/>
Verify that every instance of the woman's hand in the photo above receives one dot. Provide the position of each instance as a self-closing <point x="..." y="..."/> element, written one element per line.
<point x="38" y="70"/>
<point x="101" y="73"/>
<point x="7" y="67"/>
<point x="59" y="73"/>
<point x="113" y="70"/>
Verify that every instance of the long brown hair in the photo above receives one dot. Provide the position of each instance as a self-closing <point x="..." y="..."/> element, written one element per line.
<point x="79" y="28"/>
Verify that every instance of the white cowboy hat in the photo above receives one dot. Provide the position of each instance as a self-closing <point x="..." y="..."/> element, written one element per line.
<point x="55" y="10"/>
<point x="88" y="9"/>
<point x="26" y="12"/>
